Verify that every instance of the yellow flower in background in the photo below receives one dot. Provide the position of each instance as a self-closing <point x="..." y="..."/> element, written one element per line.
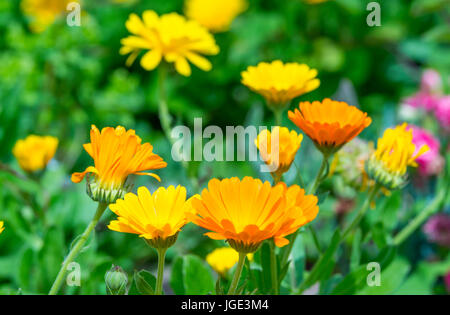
<point x="330" y="124"/>
<point x="279" y="153"/>
<point x="394" y="153"/>
<point x="156" y="217"/>
<point x="117" y="153"/>
<point x="215" y="15"/>
<point x="279" y="83"/>
<point x="44" y="12"/>
<point x="34" y="152"/>
<point x="1" y="227"/>
<point x="169" y="36"/>
<point x="223" y="259"/>
<point x="247" y="212"/>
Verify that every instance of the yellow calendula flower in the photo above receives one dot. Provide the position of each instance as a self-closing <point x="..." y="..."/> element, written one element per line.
<point x="156" y="217"/>
<point x="1" y="227"/>
<point x="34" y="152"/>
<point x="279" y="83"/>
<point x="43" y="13"/>
<point x="223" y="259"/>
<point x="278" y="149"/>
<point x="216" y="15"/>
<point x="394" y="153"/>
<point x="117" y="153"/>
<point x="169" y="36"/>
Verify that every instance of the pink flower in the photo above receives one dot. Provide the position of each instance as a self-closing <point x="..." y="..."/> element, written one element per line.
<point x="437" y="229"/>
<point x="442" y="112"/>
<point x="423" y="99"/>
<point x="431" y="162"/>
<point x="447" y="281"/>
<point x="431" y="81"/>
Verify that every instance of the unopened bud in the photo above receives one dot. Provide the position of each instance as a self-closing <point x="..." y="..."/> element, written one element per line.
<point x="116" y="281"/>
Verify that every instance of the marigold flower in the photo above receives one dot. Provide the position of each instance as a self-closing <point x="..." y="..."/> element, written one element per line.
<point x="117" y="153"/>
<point x="223" y="259"/>
<point x="170" y="36"/>
<point x="394" y="153"/>
<point x="1" y="227"/>
<point x="34" y="152"/>
<point x="330" y="124"/>
<point x="156" y="217"/>
<point x="279" y="153"/>
<point x="44" y="12"/>
<point x="279" y="83"/>
<point x="247" y="212"/>
<point x="215" y="15"/>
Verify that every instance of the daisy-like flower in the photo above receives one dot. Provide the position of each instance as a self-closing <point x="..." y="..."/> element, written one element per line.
<point x="156" y="217"/>
<point x="223" y="259"/>
<point x="278" y="149"/>
<point x="247" y="212"/>
<point x="394" y="153"/>
<point x="279" y="83"/>
<point x="34" y="152"/>
<point x="169" y="36"/>
<point x="117" y="153"/>
<point x="330" y="124"/>
<point x="215" y="15"/>
<point x="1" y="227"/>
<point x="43" y="13"/>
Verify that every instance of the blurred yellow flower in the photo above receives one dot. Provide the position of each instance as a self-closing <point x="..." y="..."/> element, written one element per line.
<point x="223" y="259"/>
<point x="330" y="124"/>
<point x="394" y="153"/>
<point x="170" y="36"/>
<point x="44" y="12"/>
<point x="1" y="227"/>
<point x="285" y="146"/>
<point x="34" y="152"/>
<point x="279" y="83"/>
<point x="117" y="153"/>
<point x="215" y="15"/>
<point x="156" y="217"/>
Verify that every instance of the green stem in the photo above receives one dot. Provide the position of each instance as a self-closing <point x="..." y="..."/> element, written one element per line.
<point x="273" y="268"/>
<point x="77" y="248"/>
<point x="237" y="274"/>
<point x="160" y="276"/>
<point x="278" y="114"/>
<point x="319" y="176"/>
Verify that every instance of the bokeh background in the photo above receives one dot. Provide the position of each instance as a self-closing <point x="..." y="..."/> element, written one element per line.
<point x="61" y="80"/>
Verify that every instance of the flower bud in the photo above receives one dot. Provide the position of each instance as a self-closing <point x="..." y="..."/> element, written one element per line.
<point x="116" y="281"/>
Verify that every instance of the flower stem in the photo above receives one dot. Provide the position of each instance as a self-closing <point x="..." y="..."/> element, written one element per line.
<point x="273" y="268"/>
<point x="237" y="274"/>
<point x="278" y="114"/>
<point x="160" y="276"/>
<point x="77" y="248"/>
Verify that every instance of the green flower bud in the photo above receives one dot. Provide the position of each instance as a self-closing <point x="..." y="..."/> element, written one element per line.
<point x="116" y="281"/>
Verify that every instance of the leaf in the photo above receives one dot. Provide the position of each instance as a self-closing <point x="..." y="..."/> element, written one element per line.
<point x="356" y="250"/>
<point x="176" y="277"/>
<point x="145" y="282"/>
<point x="265" y="264"/>
<point x="379" y="235"/>
<point x="190" y="275"/>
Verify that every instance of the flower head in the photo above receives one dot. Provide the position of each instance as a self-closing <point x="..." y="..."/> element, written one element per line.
<point x="34" y="152"/>
<point x="431" y="162"/>
<point x="431" y="81"/>
<point x="1" y="227"/>
<point x="278" y="148"/>
<point x="117" y="153"/>
<point x="156" y="217"/>
<point x="247" y="212"/>
<point x="330" y="124"/>
<point x="170" y="36"/>
<point x="394" y="153"/>
<point x="223" y="259"/>
<point x="279" y="83"/>
<point x="443" y="112"/>
<point x="44" y="12"/>
<point x="437" y="229"/>
<point x="215" y="15"/>
<point x="422" y="100"/>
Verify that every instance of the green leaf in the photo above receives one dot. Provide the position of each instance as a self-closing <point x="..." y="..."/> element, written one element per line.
<point x="190" y="275"/>
<point x="356" y="250"/>
<point x="176" y="277"/>
<point x="145" y="282"/>
<point x="265" y="264"/>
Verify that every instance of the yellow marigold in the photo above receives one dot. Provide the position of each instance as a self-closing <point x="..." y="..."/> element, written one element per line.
<point x="247" y="212"/>
<point x="1" y="227"/>
<point x="34" y="152"/>
<point x="117" y="153"/>
<point x="216" y="15"/>
<point x="330" y="124"/>
<point x="170" y="36"/>
<point x="279" y="83"/>
<point x="394" y="153"/>
<point x="156" y="217"/>
<point x="279" y="153"/>
<point x="44" y="12"/>
<point x="223" y="259"/>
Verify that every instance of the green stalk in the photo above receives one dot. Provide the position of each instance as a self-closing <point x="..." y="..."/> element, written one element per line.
<point x="77" y="248"/>
<point x="273" y="268"/>
<point x="160" y="276"/>
<point x="237" y="274"/>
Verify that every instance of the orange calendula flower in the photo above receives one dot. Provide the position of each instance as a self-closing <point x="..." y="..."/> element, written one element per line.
<point x="279" y="83"/>
<point x="169" y="36"/>
<point x="1" y="227"/>
<point x="278" y="149"/>
<point x="394" y="153"/>
<point x="34" y="152"/>
<point x="247" y="212"/>
<point x="156" y="217"/>
<point x="330" y="124"/>
<point x="117" y="153"/>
